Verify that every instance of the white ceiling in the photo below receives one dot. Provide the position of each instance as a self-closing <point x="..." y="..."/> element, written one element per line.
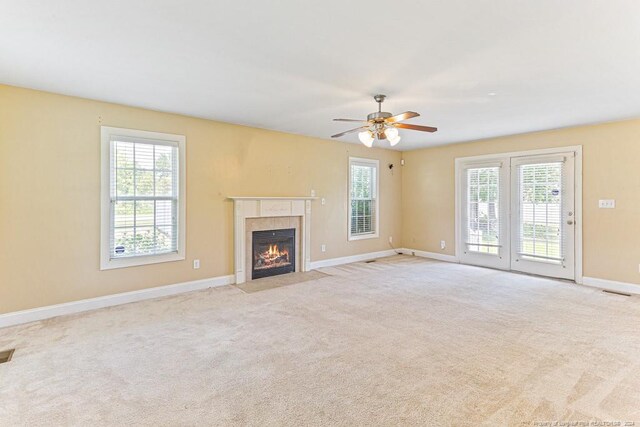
<point x="293" y="65"/>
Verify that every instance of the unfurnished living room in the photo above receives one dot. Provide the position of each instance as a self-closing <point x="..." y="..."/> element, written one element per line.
<point x="305" y="213"/>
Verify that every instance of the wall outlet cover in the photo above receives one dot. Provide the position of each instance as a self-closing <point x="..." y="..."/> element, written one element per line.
<point x="607" y="204"/>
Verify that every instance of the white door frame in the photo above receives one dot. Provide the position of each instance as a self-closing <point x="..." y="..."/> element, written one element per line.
<point x="506" y="157"/>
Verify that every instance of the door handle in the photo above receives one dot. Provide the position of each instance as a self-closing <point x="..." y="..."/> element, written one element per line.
<point x="570" y="222"/>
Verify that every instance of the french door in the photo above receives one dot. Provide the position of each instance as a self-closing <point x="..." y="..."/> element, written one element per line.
<point x="518" y="213"/>
<point x="484" y="217"/>
<point x="542" y="215"/>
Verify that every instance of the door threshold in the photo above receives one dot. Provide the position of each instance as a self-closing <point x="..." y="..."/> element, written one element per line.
<point x="523" y="273"/>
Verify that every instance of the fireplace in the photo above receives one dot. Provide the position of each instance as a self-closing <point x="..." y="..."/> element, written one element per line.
<point x="274" y="252"/>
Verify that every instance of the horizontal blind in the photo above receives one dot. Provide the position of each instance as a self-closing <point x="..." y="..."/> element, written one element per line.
<point x="541" y="198"/>
<point x="363" y="214"/>
<point x="144" y="197"/>
<point x="483" y="210"/>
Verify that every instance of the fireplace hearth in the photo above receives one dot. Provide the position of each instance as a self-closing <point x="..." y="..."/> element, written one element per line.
<point x="273" y="252"/>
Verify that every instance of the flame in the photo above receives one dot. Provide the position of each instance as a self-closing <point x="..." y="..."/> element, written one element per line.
<point x="273" y="256"/>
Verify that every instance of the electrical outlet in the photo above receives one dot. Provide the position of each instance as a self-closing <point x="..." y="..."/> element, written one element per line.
<point x="323" y="248"/>
<point x="390" y="239"/>
<point x="196" y="264"/>
<point x="323" y="201"/>
<point x="443" y="244"/>
<point x="607" y="204"/>
<point x="313" y="193"/>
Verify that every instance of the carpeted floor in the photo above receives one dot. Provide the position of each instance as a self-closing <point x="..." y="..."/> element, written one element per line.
<point x="400" y="341"/>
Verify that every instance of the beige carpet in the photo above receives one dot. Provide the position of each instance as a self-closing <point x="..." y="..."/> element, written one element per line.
<point x="402" y="341"/>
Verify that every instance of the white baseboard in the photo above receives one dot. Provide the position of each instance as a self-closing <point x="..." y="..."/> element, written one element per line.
<point x="353" y="258"/>
<point x="611" y="285"/>
<point x="40" y="313"/>
<point x="432" y="255"/>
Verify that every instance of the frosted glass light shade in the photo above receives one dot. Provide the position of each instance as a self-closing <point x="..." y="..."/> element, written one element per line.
<point x="394" y="141"/>
<point x="366" y="138"/>
<point x="391" y="133"/>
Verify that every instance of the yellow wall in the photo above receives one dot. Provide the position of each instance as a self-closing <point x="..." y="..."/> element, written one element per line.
<point x="611" y="170"/>
<point x="50" y="195"/>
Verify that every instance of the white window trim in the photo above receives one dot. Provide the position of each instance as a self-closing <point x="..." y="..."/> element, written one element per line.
<point x="106" y="263"/>
<point x="376" y="164"/>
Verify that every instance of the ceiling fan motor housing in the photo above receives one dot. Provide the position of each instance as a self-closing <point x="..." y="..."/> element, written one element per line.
<point x="378" y="116"/>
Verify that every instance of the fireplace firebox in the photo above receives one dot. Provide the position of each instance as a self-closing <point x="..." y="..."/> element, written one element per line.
<point x="274" y="252"/>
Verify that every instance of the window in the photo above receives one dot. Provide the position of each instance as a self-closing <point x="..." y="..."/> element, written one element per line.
<point x="483" y="213"/>
<point x="363" y="198"/>
<point x="143" y="204"/>
<point x="540" y="193"/>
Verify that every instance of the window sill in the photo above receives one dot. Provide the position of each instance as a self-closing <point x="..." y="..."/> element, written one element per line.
<point x="109" y="264"/>
<point x="364" y="236"/>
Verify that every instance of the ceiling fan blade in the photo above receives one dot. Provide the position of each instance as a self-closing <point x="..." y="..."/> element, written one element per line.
<point x="415" y="127"/>
<point x="349" y="120"/>
<point x="348" y="131"/>
<point x="402" y="116"/>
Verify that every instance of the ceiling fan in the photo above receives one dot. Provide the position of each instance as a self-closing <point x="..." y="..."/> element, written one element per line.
<point x="382" y="125"/>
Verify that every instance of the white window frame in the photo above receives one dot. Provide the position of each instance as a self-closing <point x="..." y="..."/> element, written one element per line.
<point x="106" y="262"/>
<point x="371" y="163"/>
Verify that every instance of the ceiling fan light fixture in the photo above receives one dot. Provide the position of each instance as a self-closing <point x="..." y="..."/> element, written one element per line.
<point x="394" y="141"/>
<point x="382" y="125"/>
<point x="366" y="138"/>
<point x="391" y="133"/>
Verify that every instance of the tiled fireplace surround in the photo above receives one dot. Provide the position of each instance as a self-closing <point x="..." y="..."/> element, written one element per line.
<point x="269" y="223"/>
<point x="270" y="213"/>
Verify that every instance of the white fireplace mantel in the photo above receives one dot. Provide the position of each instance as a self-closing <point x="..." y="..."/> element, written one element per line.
<point x="263" y="207"/>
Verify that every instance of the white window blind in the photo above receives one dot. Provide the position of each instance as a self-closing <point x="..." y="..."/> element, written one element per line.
<point x="483" y="210"/>
<point x="363" y="198"/>
<point x="541" y="190"/>
<point x="144" y="197"/>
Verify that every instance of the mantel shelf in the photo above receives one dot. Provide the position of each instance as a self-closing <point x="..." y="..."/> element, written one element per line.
<point x="270" y="198"/>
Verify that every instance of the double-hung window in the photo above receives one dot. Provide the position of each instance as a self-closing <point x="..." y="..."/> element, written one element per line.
<point x="143" y="198"/>
<point x="363" y="198"/>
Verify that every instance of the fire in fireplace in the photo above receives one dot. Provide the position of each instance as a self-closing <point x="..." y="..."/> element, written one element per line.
<point x="273" y="252"/>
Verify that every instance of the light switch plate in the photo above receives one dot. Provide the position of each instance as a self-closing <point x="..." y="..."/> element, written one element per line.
<point x="607" y="204"/>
